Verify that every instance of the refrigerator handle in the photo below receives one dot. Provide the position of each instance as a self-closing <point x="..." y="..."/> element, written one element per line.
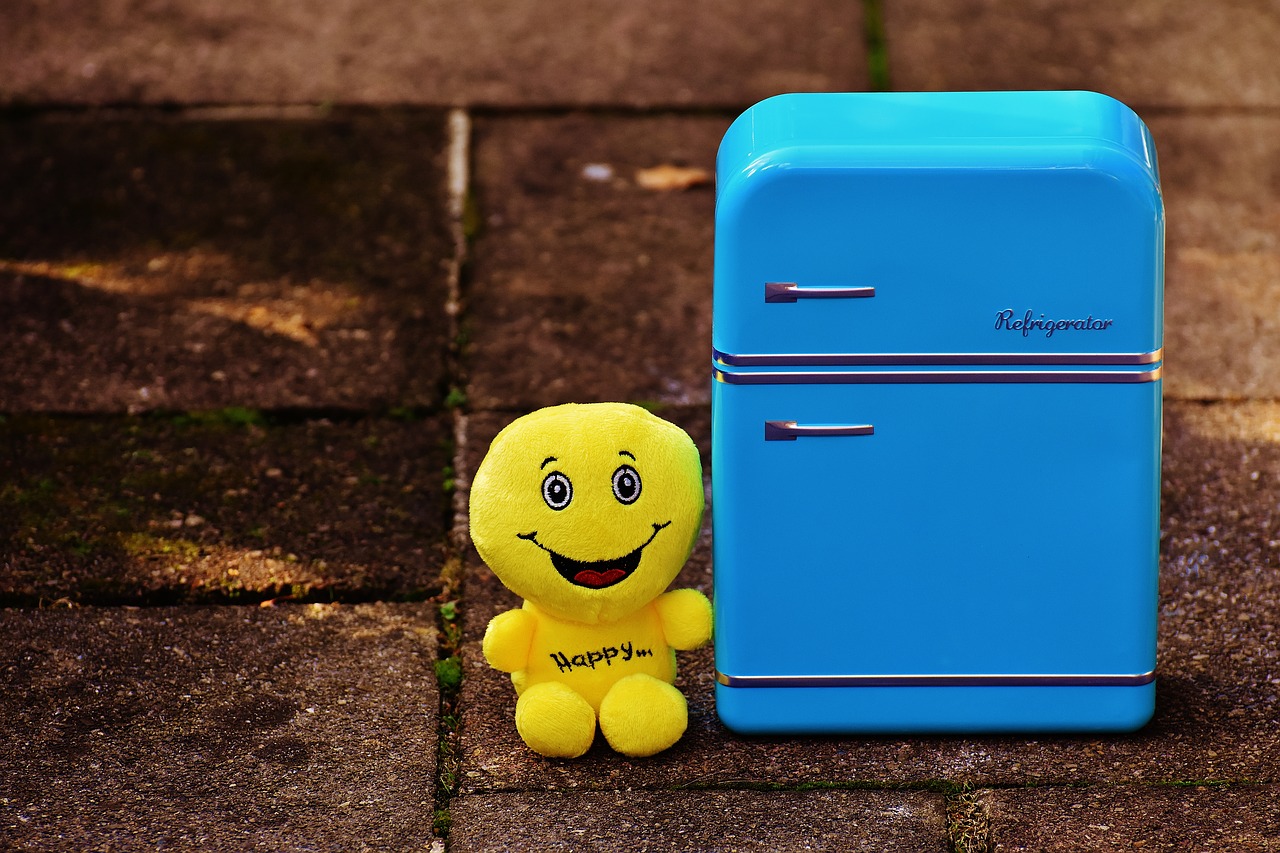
<point x="790" y="430"/>
<point x="789" y="291"/>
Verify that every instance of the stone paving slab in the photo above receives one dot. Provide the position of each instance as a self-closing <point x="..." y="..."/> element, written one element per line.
<point x="487" y="52"/>
<point x="221" y="506"/>
<point x="701" y="820"/>
<point x="1221" y="180"/>
<point x="584" y="286"/>
<point x="293" y="727"/>
<point x="1176" y="53"/>
<point x="148" y="263"/>
<point x="1218" y="693"/>
<point x="1234" y="819"/>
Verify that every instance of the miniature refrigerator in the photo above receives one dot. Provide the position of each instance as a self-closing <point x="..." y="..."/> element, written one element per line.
<point x="936" y="414"/>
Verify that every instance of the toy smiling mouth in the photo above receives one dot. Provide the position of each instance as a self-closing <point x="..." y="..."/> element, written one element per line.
<point x="594" y="574"/>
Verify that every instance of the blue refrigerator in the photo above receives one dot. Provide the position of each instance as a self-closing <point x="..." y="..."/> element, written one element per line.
<point x="936" y="414"/>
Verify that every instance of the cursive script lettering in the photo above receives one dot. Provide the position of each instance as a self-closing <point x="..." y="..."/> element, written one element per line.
<point x="1030" y="321"/>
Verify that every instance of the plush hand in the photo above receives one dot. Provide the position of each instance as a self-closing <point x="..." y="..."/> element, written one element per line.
<point x="507" y="640"/>
<point x="686" y="618"/>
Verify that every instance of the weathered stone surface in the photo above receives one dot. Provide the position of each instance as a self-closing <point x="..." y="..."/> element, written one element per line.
<point x="585" y="286"/>
<point x="1221" y="180"/>
<point x="701" y="820"/>
<point x="220" y="506"/>
<point x="1236" y="818"/>
<point x="660" y="52"/>
<point x="1218" y="692"/>
<point x="220" y="728"/>
<point x="1150" y="53"/>
<point x="152" y="264"/>
<point x="1220" y="592"/>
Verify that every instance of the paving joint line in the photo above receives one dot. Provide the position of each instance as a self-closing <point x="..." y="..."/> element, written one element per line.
<point x="1233" y="400"/>
<point x="602" y="109"/>
<point x="968" y="817"/>
<point x="265" y="417"/>
<point x="656" y="407"/>
<point x="1159" y="110"/>
<point x="874" y="35"/>
<point x="337" y="111"/>
<point x="448" y="665"/>
<point x="607" y="110"/>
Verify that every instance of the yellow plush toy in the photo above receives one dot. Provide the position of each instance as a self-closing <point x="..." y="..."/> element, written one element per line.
<point x="588" y="512"/>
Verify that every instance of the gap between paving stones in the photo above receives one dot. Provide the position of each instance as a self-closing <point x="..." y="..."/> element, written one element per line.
<point x="449" y="671"/>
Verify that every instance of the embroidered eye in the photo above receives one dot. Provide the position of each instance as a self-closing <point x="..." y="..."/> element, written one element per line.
<point x="557" y="491"/>
<point x="626" y="484"/>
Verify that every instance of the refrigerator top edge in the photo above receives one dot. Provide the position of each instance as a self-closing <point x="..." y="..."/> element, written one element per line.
<point x="932" y="129"/>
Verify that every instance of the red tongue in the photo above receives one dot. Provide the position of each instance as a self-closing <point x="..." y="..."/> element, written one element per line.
<point x="590" y="577"/>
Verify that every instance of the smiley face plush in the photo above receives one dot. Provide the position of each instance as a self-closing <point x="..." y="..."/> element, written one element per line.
<point x="588" y="512"/>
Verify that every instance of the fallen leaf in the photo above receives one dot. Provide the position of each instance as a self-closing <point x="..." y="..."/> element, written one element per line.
<point x="667" y="177"/>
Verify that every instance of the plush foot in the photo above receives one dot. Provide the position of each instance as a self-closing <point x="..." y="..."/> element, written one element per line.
<point x="555" y="721"/>
<point x="641" y="715"/>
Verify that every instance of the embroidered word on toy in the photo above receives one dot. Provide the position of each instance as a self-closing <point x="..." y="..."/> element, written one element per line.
<point x="589" y="659"/>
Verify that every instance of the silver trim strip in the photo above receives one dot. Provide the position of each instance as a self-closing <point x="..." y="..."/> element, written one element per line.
<point x="854" y="359"/>
<point x="937" y="377"/>
<point x="937" y="680"/>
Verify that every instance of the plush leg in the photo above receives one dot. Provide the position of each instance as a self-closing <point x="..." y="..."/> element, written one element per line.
<point x="642" y="716"/>
<point x="555" y="721"/>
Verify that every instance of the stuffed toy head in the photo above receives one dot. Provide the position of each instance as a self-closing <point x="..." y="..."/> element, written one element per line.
<point x="588" y="510"/>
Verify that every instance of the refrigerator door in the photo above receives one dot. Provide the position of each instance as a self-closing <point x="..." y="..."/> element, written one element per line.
<point x="937" y="227"/>
<point x="965" y="555"/>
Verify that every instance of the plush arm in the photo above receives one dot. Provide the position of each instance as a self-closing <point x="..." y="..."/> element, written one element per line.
<point x="507" y="640"/>
<point x="686" y="618"/>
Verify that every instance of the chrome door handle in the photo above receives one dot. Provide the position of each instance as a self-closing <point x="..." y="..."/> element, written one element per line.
<point x="789" y="291"/>
<point x="790" y="430"/>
